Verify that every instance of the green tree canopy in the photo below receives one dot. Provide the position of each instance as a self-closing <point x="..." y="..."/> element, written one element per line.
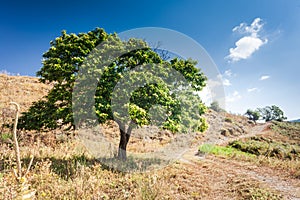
<point x="60" y="67"/>
<point x="270" y="113"/>
<point x="253" y="115"/>
<point x="125" y="81"/>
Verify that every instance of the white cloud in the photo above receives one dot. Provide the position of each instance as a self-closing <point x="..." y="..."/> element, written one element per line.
<point x="253" y="29"/>
<point x="4" y="71"/>
<point x="226" y="82"/>
<point x="214" y="91"/>
<point x="245" y="47"/>
<point x="206" y="95"/>
<point x="248" y="44"/>
<point x="252" y="89"/>
<point x="233" y="97"/>
<point x="215" y="82"/>
<point x="228" y="73"/>
<point x="264" y="77"/>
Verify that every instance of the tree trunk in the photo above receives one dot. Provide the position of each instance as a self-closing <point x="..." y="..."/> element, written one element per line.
<point x="124" y="138"/>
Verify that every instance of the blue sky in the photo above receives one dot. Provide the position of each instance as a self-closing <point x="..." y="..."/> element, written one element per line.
<point x="255" y="44"/>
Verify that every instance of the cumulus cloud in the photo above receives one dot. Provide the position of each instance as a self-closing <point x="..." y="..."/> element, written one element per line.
<point x="206" y="95"/>
<point x="225" y="77"/>
<point x="228" y="73"/>
<point x="233" y="97"/>
<point x="248" y="44"/>
<point x="226" y="82"/>
<point x="214" y="91"/>
<point x="265" y="77"/>
<point x="253" y="29"/>
<point x="252" y="89"/>
<point x="4" y="71"/>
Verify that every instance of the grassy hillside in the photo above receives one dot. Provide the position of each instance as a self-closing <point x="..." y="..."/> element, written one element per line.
<point x="236" y="160"/>
<point x="20" y="89"/>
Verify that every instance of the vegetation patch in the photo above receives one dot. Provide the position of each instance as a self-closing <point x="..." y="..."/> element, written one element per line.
<point x="262" y="146"/>
<point x="262" y="194"/>
<point x="252" y="190"/>
<point x="223" y="151"/>
<point x="288" y="129"/>
<point x="229" y="120"/>
<point x="5" y="137"/>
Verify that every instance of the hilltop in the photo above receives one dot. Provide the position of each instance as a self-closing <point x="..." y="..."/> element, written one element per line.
<point x="21" y="89"/>
<point x="296" y="120"/>
<point x="233" y="159"/>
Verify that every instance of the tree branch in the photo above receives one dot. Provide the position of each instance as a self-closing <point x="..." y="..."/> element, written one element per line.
<point x="17" y="149"/>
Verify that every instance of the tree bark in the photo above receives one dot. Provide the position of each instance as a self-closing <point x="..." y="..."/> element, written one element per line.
<point x="17" y="149"/>
<point x="124" y="138"/>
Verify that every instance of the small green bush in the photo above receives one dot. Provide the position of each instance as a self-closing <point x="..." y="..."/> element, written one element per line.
<point x="6" y="136"/>
<point x="229" y="120"/>
<point x="222" y="150"/>
<point x="261" y="146"/>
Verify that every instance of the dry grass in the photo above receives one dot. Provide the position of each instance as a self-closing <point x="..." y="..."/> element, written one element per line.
<point x="22" y="90"/>
<point x="64" y="169"/>
<point x="69" y="172"/>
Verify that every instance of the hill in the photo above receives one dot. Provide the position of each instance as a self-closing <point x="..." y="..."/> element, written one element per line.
<point x="296" y="120"/>
<point x="233" y="159"/>
<point x="21" y="89"/>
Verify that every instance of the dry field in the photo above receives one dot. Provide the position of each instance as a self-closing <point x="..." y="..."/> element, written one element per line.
<point x="233" y="159"/>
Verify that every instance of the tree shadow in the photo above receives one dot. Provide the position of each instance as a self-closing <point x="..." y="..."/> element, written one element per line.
<point x="66" y="168"/>
<point x="133" y="164"/>
<point x="69" y="168"/>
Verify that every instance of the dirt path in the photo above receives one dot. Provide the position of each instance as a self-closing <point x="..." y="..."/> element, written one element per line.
<point x="256" y="130"/>
<point x="289" y="188"/>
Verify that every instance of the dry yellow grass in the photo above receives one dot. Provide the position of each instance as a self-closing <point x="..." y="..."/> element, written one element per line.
<point x="69" y="172"/>
<point x="22" y="90"/>
<point x="66" y="170"/>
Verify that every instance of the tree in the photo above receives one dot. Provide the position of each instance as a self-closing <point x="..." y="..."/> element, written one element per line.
<point x="253" y="115"/>
<point x="270" y="113"/>
<point x="216" y="107"/>
<point x="98" y="77"/>
<point x="60" y="66"/>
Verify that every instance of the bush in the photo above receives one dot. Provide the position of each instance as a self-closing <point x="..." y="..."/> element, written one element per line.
<point x="261" y="146"/>
<point x="216" y="107"/>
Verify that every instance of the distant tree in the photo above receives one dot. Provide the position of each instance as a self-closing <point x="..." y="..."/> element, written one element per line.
<point x="253" y="115"/>
<point x="69" y="55"/>
<point x="270" y="113"/>
<point x="216" y="107"/>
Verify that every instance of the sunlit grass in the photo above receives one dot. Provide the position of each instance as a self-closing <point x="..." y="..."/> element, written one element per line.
<point x="223" y="151"/>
